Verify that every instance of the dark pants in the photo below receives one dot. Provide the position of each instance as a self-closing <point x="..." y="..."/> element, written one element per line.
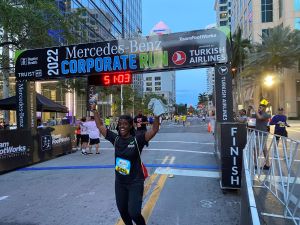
<point x="129" y="198"/>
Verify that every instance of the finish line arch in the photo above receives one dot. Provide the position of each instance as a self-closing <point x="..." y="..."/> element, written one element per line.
<point x="175" y="51"/>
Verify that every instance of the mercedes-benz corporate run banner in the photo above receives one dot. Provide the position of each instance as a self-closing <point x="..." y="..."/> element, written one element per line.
<point x="145" y="54"/>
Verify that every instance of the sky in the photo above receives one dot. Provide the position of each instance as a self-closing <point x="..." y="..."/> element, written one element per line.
<point x="179" y="16"/>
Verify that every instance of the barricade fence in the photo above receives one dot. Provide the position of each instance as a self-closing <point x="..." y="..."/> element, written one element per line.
<point x="23" y="147"/>
<point x="273" y="164"/>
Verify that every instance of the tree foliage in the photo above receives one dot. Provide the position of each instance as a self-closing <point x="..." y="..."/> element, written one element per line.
<point x="240" y="47"/>
<point x="279" y="49"/>
<point x="36" y="24"/>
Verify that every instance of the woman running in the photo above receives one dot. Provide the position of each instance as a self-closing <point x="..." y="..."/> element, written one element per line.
<point x="129" y="176"/>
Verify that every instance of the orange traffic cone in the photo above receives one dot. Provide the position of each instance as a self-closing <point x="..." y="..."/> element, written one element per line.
<point x="209" y="127"/>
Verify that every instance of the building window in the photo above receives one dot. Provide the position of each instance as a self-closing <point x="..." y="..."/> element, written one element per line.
<point x="157" y="88"/>
<point x="223" y="8"/>
<point x="148" y="78"/>
<point x="149" y="83"/>
<point x="223" y="15"/>
<point x="157" y="78"/>
<point x="148" y="88"/>
<point x="157" y="83"/>
<point x="223" y="23"/>
<point x="266" y="11"/>
<point x="265" y="32"/>
<point x="222" y="1"/>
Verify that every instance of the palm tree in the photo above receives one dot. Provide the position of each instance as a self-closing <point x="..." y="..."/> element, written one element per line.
<point x="279" y="49"/>
<point x="239" y="48"/>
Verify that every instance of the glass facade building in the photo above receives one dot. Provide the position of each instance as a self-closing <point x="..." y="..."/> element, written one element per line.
<point x="108" y="19"/>
<point x="102" y="20"/>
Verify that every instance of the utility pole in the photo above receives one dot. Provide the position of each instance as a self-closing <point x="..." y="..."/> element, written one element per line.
<point x="123" y="36"/>
<point x="5" y="71"/>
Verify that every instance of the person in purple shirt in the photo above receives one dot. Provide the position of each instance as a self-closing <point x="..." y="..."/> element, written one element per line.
<point x="280" y="123"/>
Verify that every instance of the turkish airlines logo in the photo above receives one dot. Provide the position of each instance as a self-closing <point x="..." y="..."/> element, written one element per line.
<point x="223" y="70"/>
<point x="179" y="58"/>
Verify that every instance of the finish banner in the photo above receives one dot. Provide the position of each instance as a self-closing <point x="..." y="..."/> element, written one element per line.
<point x="145" y="54"/>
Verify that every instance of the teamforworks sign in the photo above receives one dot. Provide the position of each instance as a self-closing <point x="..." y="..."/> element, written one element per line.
<point x="145" y="54"/>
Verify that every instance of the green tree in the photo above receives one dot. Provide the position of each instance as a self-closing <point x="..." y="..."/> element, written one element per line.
<point x="279" y="49"/>
<point x="26" y="24"/>
<point x="240" y="47"/>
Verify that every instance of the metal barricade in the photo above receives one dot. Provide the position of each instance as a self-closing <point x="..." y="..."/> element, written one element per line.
<point x="281" y="179"/>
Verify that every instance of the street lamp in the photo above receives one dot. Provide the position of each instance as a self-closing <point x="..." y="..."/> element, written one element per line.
<point x="269" y="81"/>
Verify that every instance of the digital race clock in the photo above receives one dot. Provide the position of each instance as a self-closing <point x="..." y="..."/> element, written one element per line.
<point x="109" y="79"/>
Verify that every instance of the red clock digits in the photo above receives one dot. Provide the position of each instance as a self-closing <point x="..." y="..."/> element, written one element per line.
<point x="106" y="80"/>
<point x="121" y="78"/>
<point x="127" y="78"/>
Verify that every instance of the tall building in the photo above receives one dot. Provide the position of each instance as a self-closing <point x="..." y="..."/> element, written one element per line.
<point x="210" y="80"/>
<point x="256" y="17"/>
<point x="210" y="72"/>
<point x="161" y="83"/>
<point x="102" y="20"/>
<point x="223" y="12"/>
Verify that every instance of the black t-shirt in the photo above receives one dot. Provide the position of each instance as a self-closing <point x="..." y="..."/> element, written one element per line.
<point x="138" y="120"/>
<point x="127" y="160"/>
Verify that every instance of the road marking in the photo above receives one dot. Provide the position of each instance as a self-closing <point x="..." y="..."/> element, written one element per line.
<point x="169" y="150"/>
<point x="148" y="208"/>
<point x="179" y="150"/>
<point x="147" y="187"/>
<point x="3" y="197"/>
<point x="191" y="173"/>
<point x="182" y="166"/>
<point x="294" y="130"/>
<point x="184" y="142"/>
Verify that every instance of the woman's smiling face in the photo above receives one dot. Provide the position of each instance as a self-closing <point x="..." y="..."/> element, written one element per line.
<point x="124" y="127"/>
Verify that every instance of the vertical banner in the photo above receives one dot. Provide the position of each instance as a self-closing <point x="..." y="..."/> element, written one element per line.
<point x="223" y="93"/>
<point x="26" y="105"/>
<point x="232" y="140"/>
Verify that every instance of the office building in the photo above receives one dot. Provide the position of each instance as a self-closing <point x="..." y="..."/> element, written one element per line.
<point x="223" y="12"/>
<point x="256" y="17"/>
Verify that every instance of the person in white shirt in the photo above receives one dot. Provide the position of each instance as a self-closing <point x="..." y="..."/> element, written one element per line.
<point x="83" y="136"/>
<point x="94" y="135"/>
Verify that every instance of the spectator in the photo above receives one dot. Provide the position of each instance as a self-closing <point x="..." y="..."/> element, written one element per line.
<point x="52" y="122"/>
<point x="83" y="136"/>
<point x="262" y="119"/>
<point x="140" y="122"/>
<point x="94" y="135"/>
<point x="107" y="122"/>
<point x="279" y="120"/>
<point x="39" y="123"/>
<point x="242" y="118"/>
<point x="78" y="136"/>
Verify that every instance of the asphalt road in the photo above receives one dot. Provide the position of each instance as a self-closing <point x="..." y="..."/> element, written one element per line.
<point x="79" y="190"/>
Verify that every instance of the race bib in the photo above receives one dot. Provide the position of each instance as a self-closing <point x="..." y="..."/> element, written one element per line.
<point x="123" y="166"/>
